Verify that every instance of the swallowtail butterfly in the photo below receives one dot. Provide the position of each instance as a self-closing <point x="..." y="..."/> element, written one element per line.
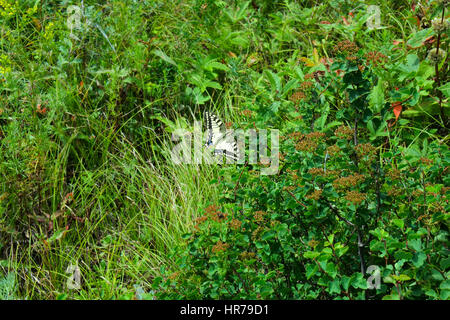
<point x="218" y="140"/>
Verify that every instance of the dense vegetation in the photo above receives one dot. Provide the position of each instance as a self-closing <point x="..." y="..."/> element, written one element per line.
<point x="90" y="96"/>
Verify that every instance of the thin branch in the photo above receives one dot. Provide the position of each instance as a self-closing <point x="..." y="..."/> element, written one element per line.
<point x="336" y="212"/>
<point x="360" y="252"/>
<point x="360" y="243"/>
<point x="438" y="80"/>
<point x="237" y="183"/>
<point x="295" y="198"/>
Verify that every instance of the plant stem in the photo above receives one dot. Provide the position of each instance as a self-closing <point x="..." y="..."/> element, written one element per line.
<point x="360" y="252"/>
<point x="438" y="80"/>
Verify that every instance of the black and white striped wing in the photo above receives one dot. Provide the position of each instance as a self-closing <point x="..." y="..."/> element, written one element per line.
<point x="227" y="148"/>
<point x="219" y="141"/>
<point x="214" y="133"/>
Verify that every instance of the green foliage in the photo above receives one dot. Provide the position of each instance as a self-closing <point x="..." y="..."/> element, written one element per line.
<point x="8" y="287"/>
<point x="357" y="188"/>
<point x="273" y="246"/>
<point x="85" y="171"/>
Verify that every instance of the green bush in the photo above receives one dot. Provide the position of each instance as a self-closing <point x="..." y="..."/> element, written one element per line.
<point x="311" y="233"/>
<point x="359" y="193"/>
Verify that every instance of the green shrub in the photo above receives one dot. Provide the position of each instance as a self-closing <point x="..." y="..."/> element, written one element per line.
<point x="358" y="190"/>
<point x="311" y="233"/>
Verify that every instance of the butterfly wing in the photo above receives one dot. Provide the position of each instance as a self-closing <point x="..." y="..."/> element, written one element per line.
<point x="219" y="141"/>
<point x="214" y="133"/>
<point x="227" y="148"/>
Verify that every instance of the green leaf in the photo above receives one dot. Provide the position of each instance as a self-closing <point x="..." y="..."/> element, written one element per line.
<point x="331" y="238"/>
<point x="418" y="259"/>
<point x="445" y="294"/>
<point x="445" y="263"/>
<point x="289" y="86"/>
<point x="392" y="296"/>
<point x="401" y="278"/>
<point x="62" y="296"/>
<point x="415" y="244"/>
<point x="445" y="285"/>
<point x="417" y="39"/>
<point x="8" y="286"/>
<point x="311" y="269"/>
<point x="212" y="64"/>
<point x="331" y="269"/>
<point x="275" y="81"/>
<point x="399" y="223"/>
<point x="424" y="72"/>
<point x="403" y="255"/>
<point x="57" y="235"/>
<point x="377" y="128"/>
<point x="332" y="125"/>
<point x="299" y="73"/>
<point x="311" y="254"/>
<point x="376" y="97"/>
<point x="345" y="281"/>
<point x="358" y="281"/>
<point x="436" y="275"/>
<point x="268" y="235"/>
<point x="408" y="69"/>
<point x="275" y="106"/>
<point x="213" y="84"/>
<point x="431" y="293"/>
<point x="164" y="56"/>
<point x="236" y="15"/>
<point x="320" y="122"/>
<point x="445" y="89"/>
<point x="341" y="251"/>
<point x="334" y="286"/>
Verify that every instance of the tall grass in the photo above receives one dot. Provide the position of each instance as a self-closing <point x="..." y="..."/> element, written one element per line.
<point x="83" y="178"/>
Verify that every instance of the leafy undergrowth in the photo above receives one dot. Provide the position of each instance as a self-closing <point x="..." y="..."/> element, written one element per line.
<point x="88" y="190"/>
<point x="359" y="194"/>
